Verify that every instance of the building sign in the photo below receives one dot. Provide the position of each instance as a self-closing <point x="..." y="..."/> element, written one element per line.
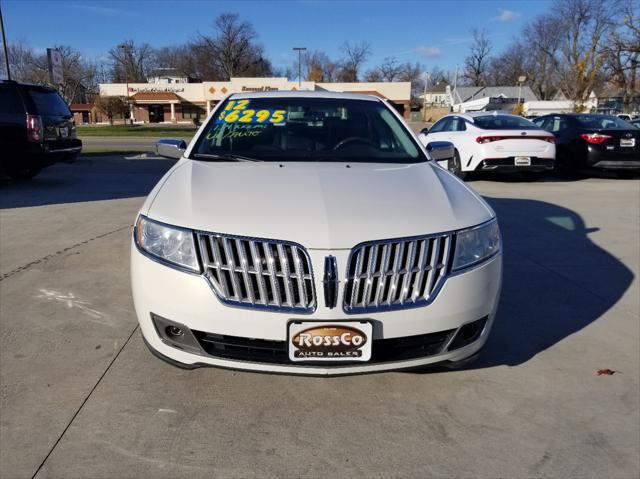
<point x="259" y="88"/>
<point x="156" y="89"/>
<point x="54" y="61"/>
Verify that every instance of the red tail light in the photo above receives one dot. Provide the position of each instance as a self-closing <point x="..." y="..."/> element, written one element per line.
<point x="594" y="138"/>
<point x="488" y="139"/>
<point x="34" y="128"/>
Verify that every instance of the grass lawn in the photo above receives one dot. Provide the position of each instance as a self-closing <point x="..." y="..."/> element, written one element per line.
<point x="122" y="130"/>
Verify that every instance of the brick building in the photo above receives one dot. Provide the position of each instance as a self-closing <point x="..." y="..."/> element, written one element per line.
<point x="178" y="102"/>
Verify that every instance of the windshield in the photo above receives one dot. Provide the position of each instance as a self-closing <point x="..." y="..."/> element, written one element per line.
<point x="503" y="122"/>
<point x="49" y="103"/>
<point x="602" y="122"/>
<point x="307" y="129"/>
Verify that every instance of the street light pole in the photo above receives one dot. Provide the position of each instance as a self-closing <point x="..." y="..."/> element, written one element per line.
<point x="126" y="80"/>
<point x="424" y="97"/>
<point x="4" y="42"/>
<point x="299" y="50"/>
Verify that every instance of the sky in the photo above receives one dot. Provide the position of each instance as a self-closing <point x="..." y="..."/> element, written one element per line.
<point x="434" y="33"/>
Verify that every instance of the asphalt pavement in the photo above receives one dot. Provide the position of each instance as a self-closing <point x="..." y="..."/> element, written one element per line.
<point x="81" y="397"/>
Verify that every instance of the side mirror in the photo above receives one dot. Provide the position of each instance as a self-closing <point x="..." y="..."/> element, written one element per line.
<point x="441" y="152"/>
<point x="424" y="131"/>
<point x="171" y="147"/>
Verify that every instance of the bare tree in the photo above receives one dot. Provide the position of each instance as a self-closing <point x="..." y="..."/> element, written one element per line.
<point x="355" y="55"/>
<point x="477" y="62"/>
<point x="543" y="36"/>
<point x="233" y="50"/>
<point x="506" y="68"/>
<point x="316" y="66"/>
<point x="111" y="107"/>
<point x="622" y="53"/>
<point x="585" y="25"/>
<point x="80" y="79"/>
<point x="131" y="62"/>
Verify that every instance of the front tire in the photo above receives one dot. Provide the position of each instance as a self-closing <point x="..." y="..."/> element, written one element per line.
<point x="456" y="166"/>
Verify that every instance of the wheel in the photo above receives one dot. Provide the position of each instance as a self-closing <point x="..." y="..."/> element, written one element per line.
<point x="456" y="167"/>
<point x="23" y="173"/>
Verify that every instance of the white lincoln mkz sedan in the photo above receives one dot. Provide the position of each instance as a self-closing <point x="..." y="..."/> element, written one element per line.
<point x="312" y="233"/>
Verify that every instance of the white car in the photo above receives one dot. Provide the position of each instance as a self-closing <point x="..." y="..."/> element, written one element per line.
<point x="492" y="141"/>
<point x="310" y="233"/>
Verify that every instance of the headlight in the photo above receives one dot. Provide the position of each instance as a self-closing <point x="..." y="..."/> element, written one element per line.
<point x="475" y="245"/>
<point x="167" y="243"/>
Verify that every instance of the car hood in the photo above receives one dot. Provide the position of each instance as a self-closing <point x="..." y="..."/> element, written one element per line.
<point x="319" y="205"/>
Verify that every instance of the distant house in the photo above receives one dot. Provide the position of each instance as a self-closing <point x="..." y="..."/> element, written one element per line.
<point x="559" y="104"/>
<point x="436" y="96"/>
<point x="169" y="76"/>
<point x="485" y="98"/>
<point x="612" y="102"/>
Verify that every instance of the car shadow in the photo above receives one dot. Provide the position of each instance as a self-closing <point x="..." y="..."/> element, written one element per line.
<point x="91" y="178"/>
<point x="549" y="177"/>
<point x="556" y="281"/>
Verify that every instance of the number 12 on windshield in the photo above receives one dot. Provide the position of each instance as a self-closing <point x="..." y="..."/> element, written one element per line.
<point x="237" y="112"/>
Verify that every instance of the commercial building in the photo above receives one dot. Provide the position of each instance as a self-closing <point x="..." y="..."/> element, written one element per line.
<point x="182" y="102"/>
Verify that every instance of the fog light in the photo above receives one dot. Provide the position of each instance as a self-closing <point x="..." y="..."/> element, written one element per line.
<point x="468" y="333"/>
<point x="174" y="331"/>
<point x="175" y="334"/>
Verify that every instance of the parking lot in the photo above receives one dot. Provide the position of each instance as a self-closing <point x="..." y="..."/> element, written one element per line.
<point x="82" y="397"/>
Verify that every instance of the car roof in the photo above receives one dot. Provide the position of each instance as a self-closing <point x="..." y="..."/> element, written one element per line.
<point x="471" y="115"/>
<point x="305" y="94"/>
<point x="28" y="85"/>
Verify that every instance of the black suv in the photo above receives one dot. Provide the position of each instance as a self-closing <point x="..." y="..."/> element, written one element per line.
<point x="36" y="129"/>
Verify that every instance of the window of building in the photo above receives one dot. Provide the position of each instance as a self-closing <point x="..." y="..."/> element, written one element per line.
<point x="191" y="112"/>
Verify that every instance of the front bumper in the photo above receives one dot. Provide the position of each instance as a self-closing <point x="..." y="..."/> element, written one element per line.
<point x="187" y="299"/>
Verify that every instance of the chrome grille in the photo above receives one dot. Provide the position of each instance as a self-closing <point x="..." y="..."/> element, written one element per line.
<point x="256" y="273"/>
<point x="396" y="274"/>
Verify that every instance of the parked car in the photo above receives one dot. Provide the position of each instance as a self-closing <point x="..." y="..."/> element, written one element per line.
<point x="624" y="116"/>
<point x="486" y="141"/>
<point x="593" y="141"/>
<point x="311" y="233"/>
<point x="36" y="129"/>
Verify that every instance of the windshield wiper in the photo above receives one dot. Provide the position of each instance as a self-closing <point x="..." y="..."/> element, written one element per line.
<point x="224" y="157"/>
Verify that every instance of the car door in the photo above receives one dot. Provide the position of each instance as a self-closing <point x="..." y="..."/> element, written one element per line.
<point x="439" y="131"/>
<point x="13" y="120"/>
<point x="561" y="128"/>
<point x="458" y="134"/>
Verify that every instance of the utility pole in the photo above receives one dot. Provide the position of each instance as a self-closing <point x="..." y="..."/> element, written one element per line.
<point x="126" y="80"/>
<point x="455" y="84"/>
<point x="4" y="42"/>
<point x="299" y="50"/>
<point x="424" y="97"/>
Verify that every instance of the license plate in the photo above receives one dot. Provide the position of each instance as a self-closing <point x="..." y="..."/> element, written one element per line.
<point x="319" y="341"/>
<point x="63" y="132"/>
<point x="628" y="142"/>
<point x="523" y="161"/>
